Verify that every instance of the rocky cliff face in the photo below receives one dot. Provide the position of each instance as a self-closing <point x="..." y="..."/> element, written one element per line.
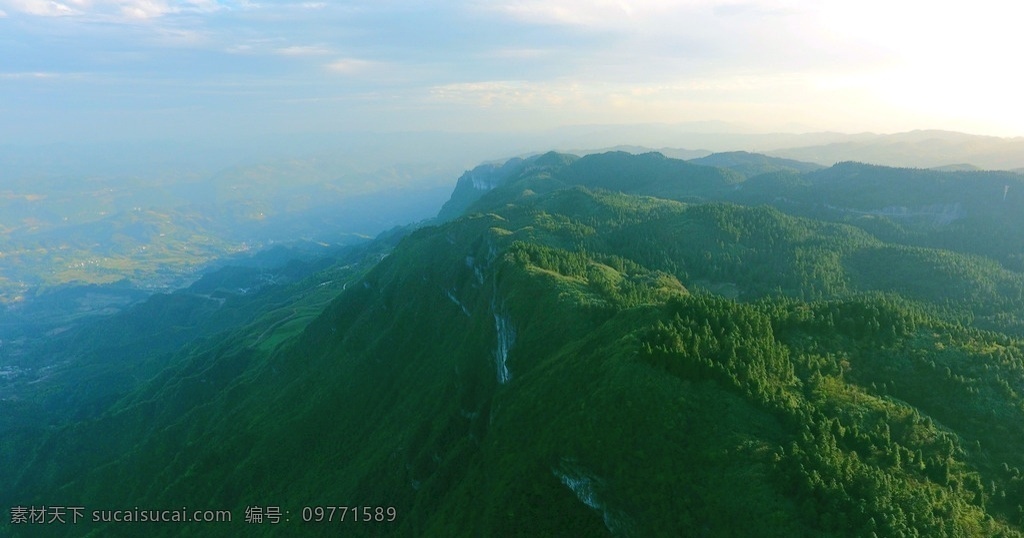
<point x="474" y="183"/>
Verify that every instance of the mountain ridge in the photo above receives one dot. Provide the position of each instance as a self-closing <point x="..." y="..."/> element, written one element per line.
<point x="611" y="347"/>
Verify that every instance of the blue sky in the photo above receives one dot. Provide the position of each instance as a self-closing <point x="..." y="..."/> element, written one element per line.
<point x="116" y="69"/>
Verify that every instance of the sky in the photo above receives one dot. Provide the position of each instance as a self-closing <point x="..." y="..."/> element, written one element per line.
<point x="73" y="70"/>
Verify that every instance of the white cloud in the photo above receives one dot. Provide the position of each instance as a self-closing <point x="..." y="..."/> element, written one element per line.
<point x="35" y="75"/>
<point x="517" y="53"/>
<point x="276" y="45"/>
<point x="145" y="9"/>
<point x="178" y="37"/>
<point x="509" y="93"/>
<point x="240" y="49"/>
<point x="571" y="12"/>
<point x="758" y="101"/>
<point x="43" y="8"/>
<point x="350" y="66"/>
<point x="116" y="10"/>
<point x="148" y="9"/>
<point x="303" y="50"/>
<point x="627" y="13"/>
<point x="616" y="94"/>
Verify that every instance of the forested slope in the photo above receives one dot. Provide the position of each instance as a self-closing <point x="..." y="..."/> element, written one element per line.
<point x="582" y="354"/>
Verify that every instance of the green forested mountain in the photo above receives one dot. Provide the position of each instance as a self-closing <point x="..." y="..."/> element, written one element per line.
<point x="608" y="345"/>
<point x="977" y="212"/>
<point x="754" y="164"/>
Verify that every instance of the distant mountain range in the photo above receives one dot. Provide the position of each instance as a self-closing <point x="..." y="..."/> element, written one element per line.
<point x="917" y="149"/>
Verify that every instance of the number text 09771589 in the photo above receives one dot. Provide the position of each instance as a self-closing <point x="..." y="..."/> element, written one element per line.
<point x="367" y="514"/>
